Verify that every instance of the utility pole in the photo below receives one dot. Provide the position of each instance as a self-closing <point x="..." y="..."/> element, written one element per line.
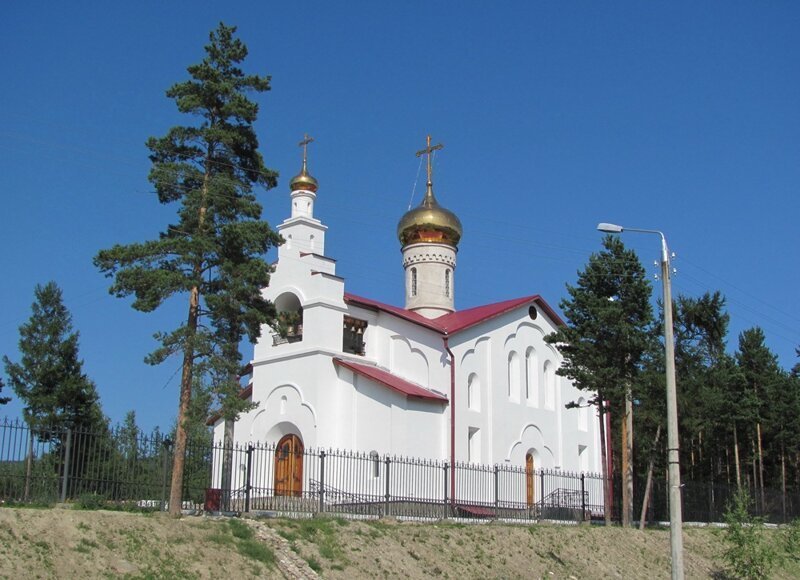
<point x="673" y="451"/>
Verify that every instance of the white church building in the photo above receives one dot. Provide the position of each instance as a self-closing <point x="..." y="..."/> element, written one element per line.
<point x="421" y="380"/>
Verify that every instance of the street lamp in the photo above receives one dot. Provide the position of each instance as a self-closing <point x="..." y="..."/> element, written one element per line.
<point x="673" y="456"/>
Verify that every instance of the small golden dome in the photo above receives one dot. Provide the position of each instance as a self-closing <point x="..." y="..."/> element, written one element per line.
<point x="429" y="222"/>
<point x="303" y="180"/>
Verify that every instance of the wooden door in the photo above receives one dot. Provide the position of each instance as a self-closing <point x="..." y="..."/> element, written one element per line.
<point x="529" y="490"/>
<point x="289" y="466"/>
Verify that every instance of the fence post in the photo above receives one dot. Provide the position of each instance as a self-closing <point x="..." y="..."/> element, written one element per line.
<point x="445" y="489"/>
<point x="67" y="461"/>
<point x="249" y="473"/>
<point x="583" y="497"/>
<point x="496" y="489"/>
<point x="386" y="498"/>
<point x="541" y="480"/>
<point x="166" y="444"/>
<point x="322" y="481"/>
<point x="29" y="464"/>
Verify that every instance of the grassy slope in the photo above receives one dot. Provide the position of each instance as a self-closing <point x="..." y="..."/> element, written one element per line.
<point x="94" y="544"/>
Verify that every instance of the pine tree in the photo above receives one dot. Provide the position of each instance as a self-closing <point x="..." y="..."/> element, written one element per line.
<point x="701" y="327"/>
<point x="3" y="400"/>
<point x="760" y="369"/>
<point x="214" y="253"/>
<point x="49" y="377"/>
<point x="609" y="333"/>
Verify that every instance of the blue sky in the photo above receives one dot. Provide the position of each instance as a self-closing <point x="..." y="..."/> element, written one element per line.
<point x="678" y="116"/>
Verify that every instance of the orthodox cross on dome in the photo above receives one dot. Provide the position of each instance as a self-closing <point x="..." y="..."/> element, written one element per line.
<point x="304" y="144"/>
<point x="429" y="152"/>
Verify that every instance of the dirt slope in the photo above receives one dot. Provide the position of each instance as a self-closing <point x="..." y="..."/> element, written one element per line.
<point x="64" y="543"/>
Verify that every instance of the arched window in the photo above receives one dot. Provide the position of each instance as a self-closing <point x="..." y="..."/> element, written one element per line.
<point x="474" y="392"/>
<point x="413" y="281"/>
<point x="447" y="283"/>
<point x="513" y="376"/>
<point x="473" y="445"/>
<point x="531" y="377"/>
<point x="549" y="385"/>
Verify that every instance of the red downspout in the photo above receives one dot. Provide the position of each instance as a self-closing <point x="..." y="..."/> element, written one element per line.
<point x="452" y="421"/>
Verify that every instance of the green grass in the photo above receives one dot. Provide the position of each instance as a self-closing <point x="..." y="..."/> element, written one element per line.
<point x="314" y="564"/>
<point x="236" y="533"/>
<point x="257" y="551"/>
<point x="86" y="546"/>
<point x="240" y="530"/>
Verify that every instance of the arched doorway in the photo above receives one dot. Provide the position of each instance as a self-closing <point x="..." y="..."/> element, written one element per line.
<point x="289" y="466"/>
<point x="529" y="479"/>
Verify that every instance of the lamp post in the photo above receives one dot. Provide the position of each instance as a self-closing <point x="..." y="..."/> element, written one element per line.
<point x="673" y="455"/>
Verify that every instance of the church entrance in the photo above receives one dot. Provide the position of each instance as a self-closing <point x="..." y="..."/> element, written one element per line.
<point x="529" y="490"/>
<point x="289" y="466"/>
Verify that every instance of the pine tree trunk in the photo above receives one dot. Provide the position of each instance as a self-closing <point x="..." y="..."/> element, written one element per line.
<point x="783" y="483"/>
<point x="626" y="435"/>
<point x="736" y="458"/>
<point x="179" y="459"/>
<point x="760" y="466"/>
<point x="648" y="486"/>
<point x="754" y="465"/>
<point x="727" y="466"/>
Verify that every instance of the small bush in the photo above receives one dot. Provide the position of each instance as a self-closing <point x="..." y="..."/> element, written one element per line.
<point x="791" y="540"/>
<point x="90" y="501"/>
<point x="748" y="552"/>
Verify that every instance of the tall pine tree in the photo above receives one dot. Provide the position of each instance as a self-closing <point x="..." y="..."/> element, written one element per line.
<point x="214" y="253"/>
<point x="49" y="376"/>
<point x="761" y="372"/>
<point x="609" y="332"/>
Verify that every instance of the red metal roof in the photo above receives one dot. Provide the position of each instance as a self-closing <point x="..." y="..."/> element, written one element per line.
<point x="396" y="310"/>
<point x="389" y="380"/>
<point x="454" y="322"/>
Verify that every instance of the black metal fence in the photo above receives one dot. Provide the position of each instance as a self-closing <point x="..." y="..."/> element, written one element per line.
<point x="132" y="468"/>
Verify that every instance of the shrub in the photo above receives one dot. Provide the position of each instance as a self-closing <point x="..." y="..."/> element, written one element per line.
<point x="90" y="501"/>
<point x="791" y="540"/>
<point x="748" y="552"/>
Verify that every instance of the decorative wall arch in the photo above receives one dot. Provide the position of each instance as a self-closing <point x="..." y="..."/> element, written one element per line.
<point x="269" y="424"/>
<point x="412" y="360"/>
<point x="531" y="437"/>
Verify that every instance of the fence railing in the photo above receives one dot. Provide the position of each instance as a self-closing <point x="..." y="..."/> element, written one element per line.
<point x="122" y="465"/>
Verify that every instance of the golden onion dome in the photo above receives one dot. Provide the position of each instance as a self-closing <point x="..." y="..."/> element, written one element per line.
<point x="429" y="223"/>
<point x="303" y="180"/>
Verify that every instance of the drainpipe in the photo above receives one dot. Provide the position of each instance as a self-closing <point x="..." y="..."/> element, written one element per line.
<point x="452" y="421"/>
